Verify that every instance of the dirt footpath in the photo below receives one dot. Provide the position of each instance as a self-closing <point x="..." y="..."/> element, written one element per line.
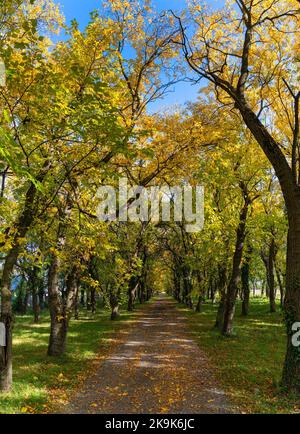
<point x="159" y="368"/>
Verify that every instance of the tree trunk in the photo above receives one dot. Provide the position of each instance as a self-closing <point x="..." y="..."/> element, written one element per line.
<point x="245" y="289"/>
<point x="57" y="339"/>
<point x="88" y="300"/>
<point x="33" y="284"/>
<point x="199" y="304"/>
<point x="221" y="311"/>
<point x="142" y="285"/>
<point x="176" y="278"/>
<point x="93" y="300"/>
<point x="281" y="287"/>
<point x="222" y="281"/>
<point x="132" y="289"/>
<point x="149" y="294"/>
<point x="187" y="287"/>
<point x="291" y="193"/>
<point x="7" y="319"/>
<point x="213" y="290"/>
<point x="141" y="291"/>
<point x="22" y="226"/>
<point x="61" y="309"/>
<point x="268" y="260"/>
<point x="291" y="371"/>
<point x="271" y="277"/>
<point x="82" y="300"/>
<point x="245" y="282"/>
<point x="131" y="299"/>
<point x="235" y="275"/>
<point x="201" y="297"/>
<point x="41" y="296"/>
<point x="76" y="308"/>
<point x="19" y="302"/>
<point x="26" y="298"/>
<point x="35" y="305"/>
<point x="143" y="277"/>
<point x="114" y="304"/>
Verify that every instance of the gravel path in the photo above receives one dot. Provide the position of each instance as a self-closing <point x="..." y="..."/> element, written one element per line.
<point x="156" y="368"/>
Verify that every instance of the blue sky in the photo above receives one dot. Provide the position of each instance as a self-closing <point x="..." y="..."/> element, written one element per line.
<point x="80" y="10"/>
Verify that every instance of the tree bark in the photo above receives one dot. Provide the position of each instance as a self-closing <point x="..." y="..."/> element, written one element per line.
<point x="93" y="300"/>
<point x="291" y="371"/>
<point x="57" y="337"/>
<point x="34" y="286"/>
<point x="35" y="305"/>
<point x="7" y="319"/>
<point x="41" y="296"/>
<point x="176" y="277"/>
<point x="245" y="282"/>
<point x="245" y="289"/>
<point x="280" y="283"/>
<point x="222" y="290"/>
<point x="271" y="277"/>
<point x="26" y="298"/>
<point x="61" y="309"/>
<point x="143" y="278"/>
<point x="22" y="226"/>
<point x="132" y="289"/>
<point x="19" y="302"/>
<point x="221" y="311"/>
<point x="114" y="304"/>
<point x="149" y="293"/>
<point x="269" y="260"/>
<point x="88" y="300"/>
<point x="82" y="299"/>
<point x="198" y="308"/>
<point x="187" y="286"/>
<point x="76" y="308"/>
<point x="201" y="297"/>
<point x="232" y="289"/>
<point x="291" y="194"/>
<point x="142" y="290"/>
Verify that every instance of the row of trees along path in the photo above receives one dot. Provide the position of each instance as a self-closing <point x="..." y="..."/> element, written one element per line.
<point x="74" y="118"/>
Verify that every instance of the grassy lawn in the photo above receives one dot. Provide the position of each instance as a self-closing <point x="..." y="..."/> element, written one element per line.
<point x="40" y="380"/>
<point x="249" y="364"/>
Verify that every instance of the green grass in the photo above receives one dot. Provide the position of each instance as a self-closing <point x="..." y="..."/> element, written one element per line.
<point x="38" y="380"/>
<point x="249" y="364"/>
